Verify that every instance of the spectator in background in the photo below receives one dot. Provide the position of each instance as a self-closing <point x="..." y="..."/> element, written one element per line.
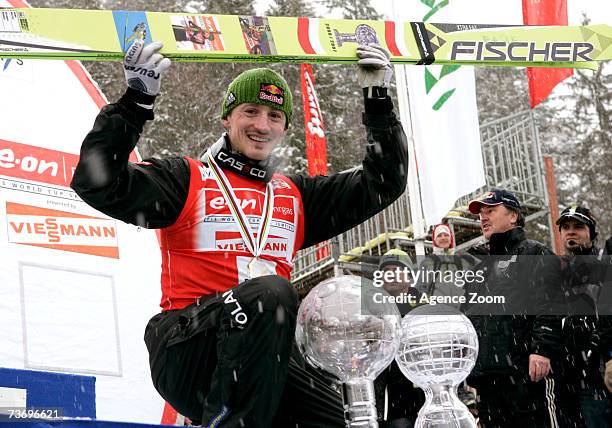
<point x="583" y="274"/>
<point x="517" y="341"/>
<point x="398" y="400"/>
<point x="393" y="260"/>
<point x="438" y="269"/>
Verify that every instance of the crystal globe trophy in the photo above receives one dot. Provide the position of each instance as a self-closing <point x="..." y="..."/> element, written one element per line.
<point x="438" y="349"/>
<point x="340" y="332"/>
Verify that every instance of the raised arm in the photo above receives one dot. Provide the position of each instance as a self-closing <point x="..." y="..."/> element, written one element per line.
<point x="149" y="194"/>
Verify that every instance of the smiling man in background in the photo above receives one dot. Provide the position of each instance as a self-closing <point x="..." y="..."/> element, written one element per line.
<point x="517" y="339"/>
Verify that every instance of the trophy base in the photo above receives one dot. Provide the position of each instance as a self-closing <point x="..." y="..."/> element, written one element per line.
<point x="443" y="409"/>
<point x="451" y="418"/>
<point x="359" y="403"/>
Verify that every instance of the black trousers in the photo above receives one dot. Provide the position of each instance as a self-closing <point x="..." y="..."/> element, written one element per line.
<point x="225" y="362"/>
<point x="514" y="401"/>
<point x="404" y="400"/>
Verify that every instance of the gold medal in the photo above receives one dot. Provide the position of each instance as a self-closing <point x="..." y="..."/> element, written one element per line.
<point x="254" y="242"/>
<point x="257" y="268"/>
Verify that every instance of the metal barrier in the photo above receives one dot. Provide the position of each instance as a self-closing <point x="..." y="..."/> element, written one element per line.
<point x="512" y="160"/>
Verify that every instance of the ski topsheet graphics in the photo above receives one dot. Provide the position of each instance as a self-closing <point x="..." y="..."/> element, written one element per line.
<point x="101" y="35"/>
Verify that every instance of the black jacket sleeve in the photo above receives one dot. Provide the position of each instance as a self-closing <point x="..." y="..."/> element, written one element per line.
<point x="149" y="194"/>
<point x="548" y="293"/>
<point x="336" y="203"/>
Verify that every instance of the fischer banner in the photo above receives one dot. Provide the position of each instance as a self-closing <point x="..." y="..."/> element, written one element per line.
<point x="103" y="35"/>
<point x="77" y="287"/>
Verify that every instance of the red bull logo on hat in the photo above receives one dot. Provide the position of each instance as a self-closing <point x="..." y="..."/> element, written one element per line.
<point x="272" y="93"/>
<point x="272" y="89"/>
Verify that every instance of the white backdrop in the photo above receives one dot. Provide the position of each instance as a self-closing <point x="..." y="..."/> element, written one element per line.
<point x="77" y="288"/>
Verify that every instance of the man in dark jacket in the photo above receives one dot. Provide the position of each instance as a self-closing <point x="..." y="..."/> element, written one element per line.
<point x="584" y="272"/>
<point x="518" y="334"/>
<point x="229" y="229"/>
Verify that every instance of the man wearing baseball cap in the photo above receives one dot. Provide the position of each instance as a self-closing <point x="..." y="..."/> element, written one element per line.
<point x="520" y="338"/>
<point x="577" y="226"/>
<point x="499" y="211"/>
<point x="584" y="276"/>
<point x="229" y="228"/>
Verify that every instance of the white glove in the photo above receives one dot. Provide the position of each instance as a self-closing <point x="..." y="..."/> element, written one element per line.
<point x="374" y="66"/>
<point x="143" y="66"/>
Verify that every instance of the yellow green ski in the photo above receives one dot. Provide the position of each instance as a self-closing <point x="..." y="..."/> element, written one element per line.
<point x="104" y="35"/>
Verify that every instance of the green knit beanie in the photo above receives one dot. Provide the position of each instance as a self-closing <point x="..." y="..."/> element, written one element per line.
<point x="395" y="257"/>
<point x="260" y="86"/>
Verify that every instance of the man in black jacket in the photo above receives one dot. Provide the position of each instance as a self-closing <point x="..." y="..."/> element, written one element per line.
<point x="584" y="272"/>
<point x="229" y="229"/>
<point x="518" y="334"/>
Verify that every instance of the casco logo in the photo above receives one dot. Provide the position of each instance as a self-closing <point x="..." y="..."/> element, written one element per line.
<point x="241" y="166"/>
<point x="225" y="158"/>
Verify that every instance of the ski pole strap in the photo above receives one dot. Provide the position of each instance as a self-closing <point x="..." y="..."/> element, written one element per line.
<point x="423" y="43"/>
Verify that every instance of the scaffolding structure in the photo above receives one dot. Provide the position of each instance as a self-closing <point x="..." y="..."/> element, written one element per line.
<point x="512" y="160"/>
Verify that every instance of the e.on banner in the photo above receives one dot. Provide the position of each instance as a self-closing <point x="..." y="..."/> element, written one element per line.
<point x="60" y="230"/>
<point x="36" y="163"/>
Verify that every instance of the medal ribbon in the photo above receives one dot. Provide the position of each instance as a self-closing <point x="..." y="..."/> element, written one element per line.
<point x="254" y="245"/>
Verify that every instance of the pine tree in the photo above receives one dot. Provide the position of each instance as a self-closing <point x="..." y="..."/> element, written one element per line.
<point x="340" y="97"/>
<point x="290" y="8"/>
<point x="352" y="9"/>
<point x="579" y="134"/>
<point x="500" y="92"/>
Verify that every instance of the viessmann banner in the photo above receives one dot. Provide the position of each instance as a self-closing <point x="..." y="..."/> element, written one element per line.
<point x="105" y="35"/>
<point x="77" y="287"/>
<point x="61" y="230"/>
